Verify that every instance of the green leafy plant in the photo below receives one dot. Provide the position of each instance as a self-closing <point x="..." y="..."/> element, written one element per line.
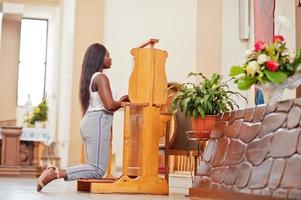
<point x="40" y="113"/>
<point x="209" y="97"/>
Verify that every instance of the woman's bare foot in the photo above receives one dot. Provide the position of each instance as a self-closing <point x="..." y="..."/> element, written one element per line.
<point x="46" y="177"/>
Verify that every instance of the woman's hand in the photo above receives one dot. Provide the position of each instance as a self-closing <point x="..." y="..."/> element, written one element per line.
<point x="124" y="98"/>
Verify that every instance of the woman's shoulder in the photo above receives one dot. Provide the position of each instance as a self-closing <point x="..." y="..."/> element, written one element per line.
<point x="100" y="74"/>
<point x="99" y="77"/>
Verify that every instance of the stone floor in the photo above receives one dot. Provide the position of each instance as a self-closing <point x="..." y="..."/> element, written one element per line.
<point x="24" y="188"/>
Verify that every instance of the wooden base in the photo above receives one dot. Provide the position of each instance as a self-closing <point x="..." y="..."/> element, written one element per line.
<point x="20" y="171"/>
<point x="198" y="193"/>
<point x="125" y="184"/>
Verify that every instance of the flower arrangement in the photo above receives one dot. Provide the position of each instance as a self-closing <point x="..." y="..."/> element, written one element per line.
<point x="267" y="63"/>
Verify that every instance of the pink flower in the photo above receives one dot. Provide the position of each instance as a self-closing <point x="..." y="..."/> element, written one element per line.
<point x="272" y="65"/>
<point x="260" y="45"/>
<point x="278" y="37"/>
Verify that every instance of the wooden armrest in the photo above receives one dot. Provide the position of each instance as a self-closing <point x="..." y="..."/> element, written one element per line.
<point x="166" y="113"/>
<point x="130" y="104"/>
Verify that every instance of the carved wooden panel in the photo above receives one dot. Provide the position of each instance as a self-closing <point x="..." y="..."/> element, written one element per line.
<point x="26" y="153"/>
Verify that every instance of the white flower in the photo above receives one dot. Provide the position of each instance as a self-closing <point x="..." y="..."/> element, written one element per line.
<point x="291" y="57"/>
<point x="285" y="53"/>
<point x="262" y="58"/>
<point x="252" y="67"/>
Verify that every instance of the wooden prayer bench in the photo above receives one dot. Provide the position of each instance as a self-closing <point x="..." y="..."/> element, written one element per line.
<point x="142" y="127"/>
<point x="254" y="153"/>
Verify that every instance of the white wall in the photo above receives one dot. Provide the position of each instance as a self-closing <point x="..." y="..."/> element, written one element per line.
<point x="209" y="36"/>
<point x="132" y="22"/>
<point x="232" y="47"/>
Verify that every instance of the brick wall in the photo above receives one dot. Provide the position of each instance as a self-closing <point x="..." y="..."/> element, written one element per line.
<point x="255" y="151"/>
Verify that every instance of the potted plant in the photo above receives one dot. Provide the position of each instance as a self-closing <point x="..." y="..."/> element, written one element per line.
<point x="39" y="115"/>
<point x="204" y="100"/>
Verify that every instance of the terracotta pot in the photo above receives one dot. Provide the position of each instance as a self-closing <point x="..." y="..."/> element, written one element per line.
<point x="204" y="125"/>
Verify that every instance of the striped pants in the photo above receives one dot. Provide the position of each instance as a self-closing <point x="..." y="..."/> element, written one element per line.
<point x="95" y="129"/>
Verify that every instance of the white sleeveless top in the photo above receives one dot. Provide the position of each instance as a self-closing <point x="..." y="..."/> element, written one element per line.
<point x="95" y="103"/>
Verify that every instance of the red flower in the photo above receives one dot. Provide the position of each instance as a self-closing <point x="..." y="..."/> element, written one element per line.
<point x="278" y="37"/>
<point x="260" y="45"/>
<point x="272" y="65"/>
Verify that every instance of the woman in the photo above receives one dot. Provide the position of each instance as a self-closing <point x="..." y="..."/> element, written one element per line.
<point x="98" y="106"/>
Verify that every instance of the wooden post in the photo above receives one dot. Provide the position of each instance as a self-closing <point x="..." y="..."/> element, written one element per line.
<point x="10" y="145"/>
<point x="126" y="137"/>
<point x="150" y="142"/>
<point x="109" y="165"/>
<point x="83" y="154"/>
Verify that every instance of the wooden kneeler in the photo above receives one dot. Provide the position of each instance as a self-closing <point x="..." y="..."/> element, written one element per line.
<point x="142" y="128"/>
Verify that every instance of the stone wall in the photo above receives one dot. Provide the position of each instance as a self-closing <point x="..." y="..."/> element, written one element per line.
<point x="255" y="151"/>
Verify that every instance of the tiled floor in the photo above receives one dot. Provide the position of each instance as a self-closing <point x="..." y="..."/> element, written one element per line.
<point x="25" y="189"/>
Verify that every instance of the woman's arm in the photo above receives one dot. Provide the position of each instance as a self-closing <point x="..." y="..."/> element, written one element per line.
<point x="104" y="90"/>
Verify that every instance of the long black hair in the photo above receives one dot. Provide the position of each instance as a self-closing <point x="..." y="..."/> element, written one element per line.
<point x="93" y="62"/>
